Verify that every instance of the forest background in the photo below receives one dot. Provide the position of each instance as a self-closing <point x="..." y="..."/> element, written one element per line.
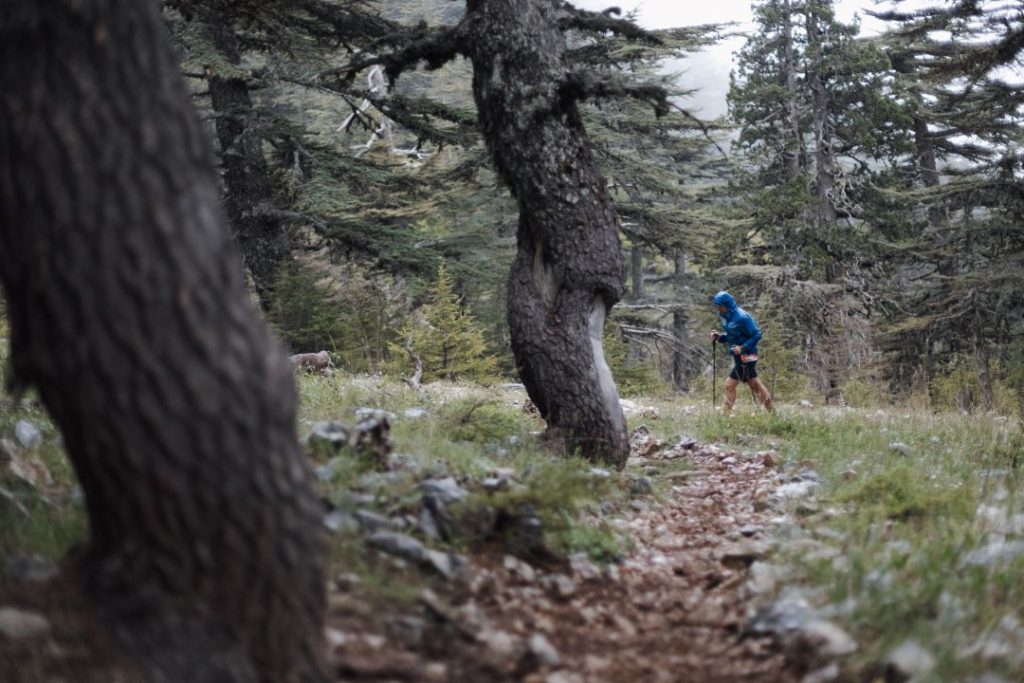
<point x="862" y="198"/>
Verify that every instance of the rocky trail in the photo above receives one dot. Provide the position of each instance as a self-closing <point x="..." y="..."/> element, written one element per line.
<point x="676" y="609"/>
<point x="681" y="605"/>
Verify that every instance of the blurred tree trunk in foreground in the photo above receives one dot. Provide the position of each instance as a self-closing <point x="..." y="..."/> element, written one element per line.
<point x="129" y="314"/>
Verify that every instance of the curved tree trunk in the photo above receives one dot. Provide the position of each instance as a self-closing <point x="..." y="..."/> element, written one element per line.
<point x="129" y="314"/>
<point x="568" y="271"/>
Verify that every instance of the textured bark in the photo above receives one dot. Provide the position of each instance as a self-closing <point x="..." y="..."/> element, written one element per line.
<point x="261" y="234"/>
<point x="680" y="329"/>
<point x="794" y="144"/>
<point x="824" y="160"/>
<point x="568" y="271"/>
<point x="129" y="314"/>
<point x="637" y="272"/>
<point x="927" y="162"/>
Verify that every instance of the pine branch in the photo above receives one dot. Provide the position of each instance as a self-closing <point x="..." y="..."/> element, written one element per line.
<point x="435" y="47"/>
<point x="586" y="84"/>
<point x="605" y="22"/>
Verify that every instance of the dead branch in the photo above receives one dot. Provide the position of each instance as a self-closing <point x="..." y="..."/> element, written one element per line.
<point x="436" y="48"/>
<point x="314" y="362"/>
<point x="414" y="381"/>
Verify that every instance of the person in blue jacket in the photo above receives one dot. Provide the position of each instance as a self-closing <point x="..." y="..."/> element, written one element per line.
<point x="741" y="334"/>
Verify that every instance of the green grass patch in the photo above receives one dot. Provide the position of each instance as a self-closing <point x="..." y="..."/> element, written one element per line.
<point x="903" y="492"/>
<point x="47" y="518"/>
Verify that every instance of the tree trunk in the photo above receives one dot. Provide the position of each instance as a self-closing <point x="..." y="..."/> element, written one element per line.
<point x="568" y="271"/>
<point x="129" y="314"/>
<point x="927" y="164"/>
<point x="637" y="270"/>
<point x="261" y="234"/>
<point x="986" y="396"/>
<point x="794" y="143"/>
<point x="680" y="329"/>
<point x="824" y="160"/>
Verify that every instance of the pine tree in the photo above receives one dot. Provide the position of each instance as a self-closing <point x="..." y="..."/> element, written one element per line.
<point x="445" y="338"/>
<point x="821" y="121"/>
<point x="954" y="271"/>
<point x="818" y="117"/>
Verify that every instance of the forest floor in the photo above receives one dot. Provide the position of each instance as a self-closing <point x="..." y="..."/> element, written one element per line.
<point x="674" y="609"/>
<point x="817" y="544"/>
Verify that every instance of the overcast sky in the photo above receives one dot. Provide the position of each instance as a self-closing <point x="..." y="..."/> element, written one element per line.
<point x="669" y="13"/>
<point x="709" y="71"/>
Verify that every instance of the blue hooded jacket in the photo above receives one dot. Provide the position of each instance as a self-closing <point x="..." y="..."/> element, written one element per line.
<point x="738" y="326"/>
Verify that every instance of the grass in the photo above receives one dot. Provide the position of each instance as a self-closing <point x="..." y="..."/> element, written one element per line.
<point x="41" y="522"/>
<point x="900" y="518"/>
<point x="907" y="497"/>
<point x="469" y="433"/>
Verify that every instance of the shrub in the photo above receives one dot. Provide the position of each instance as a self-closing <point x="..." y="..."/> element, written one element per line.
<point x="445" y="338"/>
<point x="348" y="311"/>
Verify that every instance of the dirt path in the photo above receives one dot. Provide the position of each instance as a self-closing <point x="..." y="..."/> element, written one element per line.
<point x="672" y="612"/>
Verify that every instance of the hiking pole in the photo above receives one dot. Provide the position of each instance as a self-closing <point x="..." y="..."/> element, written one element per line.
<point x="714" y="375"/>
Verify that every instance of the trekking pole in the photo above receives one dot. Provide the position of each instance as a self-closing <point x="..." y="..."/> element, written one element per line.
<point x="714" y="376"/>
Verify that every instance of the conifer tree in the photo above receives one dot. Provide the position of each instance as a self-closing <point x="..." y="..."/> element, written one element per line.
<point x="819" y="121"/>
<point x="445" y="338"/>
<point x="817" y="115"/>
<point x="954" y="270"/>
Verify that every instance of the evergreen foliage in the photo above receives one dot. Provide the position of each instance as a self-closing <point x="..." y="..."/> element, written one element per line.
<point x="445" y="338"/>
<point x="871" y="204"/>
<point x="348" y="311"/>
<point x="956" y="263"/>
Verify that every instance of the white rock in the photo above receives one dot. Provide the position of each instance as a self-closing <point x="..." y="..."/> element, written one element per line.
<point x="27" y="434"/>
<point x="498" y="642"/>
<point x="523" y="570"/>
<point x="828" y="638"/>
<point x="908" y="662"/>
<point x="541" y="648"/>
<point x="823" y="675"/>
<point x="17" y="624"/>
<point x="994" y="553"/>
<point x="336" y="638"/>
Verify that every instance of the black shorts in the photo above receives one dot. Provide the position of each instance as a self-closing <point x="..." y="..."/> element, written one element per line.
<point x="742" y="372"/>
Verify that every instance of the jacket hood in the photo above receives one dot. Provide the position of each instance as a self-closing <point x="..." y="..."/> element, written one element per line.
<point x="724" y="298"/>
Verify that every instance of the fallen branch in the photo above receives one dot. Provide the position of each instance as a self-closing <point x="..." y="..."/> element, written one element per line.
<point x="314" y="362"/>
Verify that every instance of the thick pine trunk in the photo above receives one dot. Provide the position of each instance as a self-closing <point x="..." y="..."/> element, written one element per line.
<point x="836" y="359"/>
<point x="129" y="314"/>
<point x="261" y="234"/>
<point x="568" y="271"/>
